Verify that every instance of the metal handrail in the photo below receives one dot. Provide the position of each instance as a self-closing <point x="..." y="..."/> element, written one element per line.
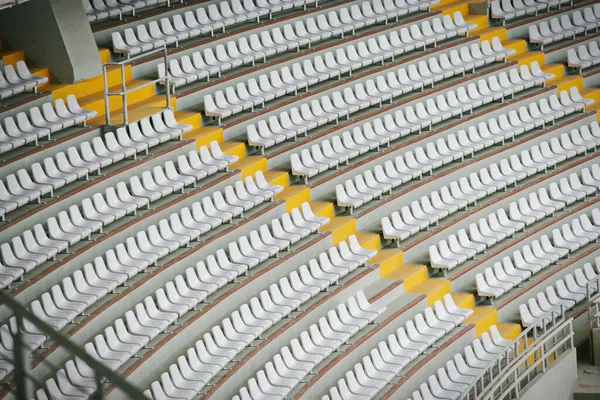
<point x="590" y="306"/>
<point x="478" y="390"/>
<point x="20" y="358"/>
<point x="123" y="92"/>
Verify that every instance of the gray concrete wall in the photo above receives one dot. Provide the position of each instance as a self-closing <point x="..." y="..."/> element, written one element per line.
<point x="596" y="344"/>
<point x="557" y="382"/>
<point x="55" y="34"/>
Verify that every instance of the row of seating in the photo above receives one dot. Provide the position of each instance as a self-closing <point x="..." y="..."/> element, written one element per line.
<point x="98" y="10"/>
<point x="565" y="294"/>
<point x="383" y="178"/>
<point x="564" y="27"/>
<point x="41" y="123"/>
<point x="179" y="296"/>
<point x="192" y="24"/>
<point x="459" y="194"/>
<point x="584" y="56"/>
<point x="270" y="42"/>
<point x="310" y="348"/>
<point x="266" y="87"/>
<point x="137" y="253"/>
<point x="255" y="317"/>
<point x="498" y="225"/>
<point x="13" y="82"/>
<point x="462" y="373"/>
<point x="27" y="186"/>
<point x="497" y="280"/>
<point x="393" y="84"/>
<point x="331" y="64"/>
<point x="506" y="10"/>
<point x="408" y="120"/>
<point x="33" y="248"/>
<point x="387" y="360"/>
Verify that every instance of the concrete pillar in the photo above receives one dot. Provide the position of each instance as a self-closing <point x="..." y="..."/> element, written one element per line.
<point x="54" y="34"/>
<point x="596" y="344"/>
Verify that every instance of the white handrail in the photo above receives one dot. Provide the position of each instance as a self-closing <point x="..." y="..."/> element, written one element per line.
<point x="508" y="364"/>
<point x="592" y="302"/>
<point x="124" y="90"/>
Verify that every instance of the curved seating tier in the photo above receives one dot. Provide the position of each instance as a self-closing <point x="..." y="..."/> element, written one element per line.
<point x="192" y="24"/>
<point x="41" y="123"/>
<point x="499" y="225"/>
<point x="503" y="276"/>
<point x="565" y="27"/>
<point x="392" y="356"/>
<point x="507" y="10"/>
<point x="252" y="319"/>
<point x="461" y="372"/>
<point x="414" y="164"/>
<point x="585" y="56"/>
<point x="28" y="186"/>
<point x="305" y="352"/>
<point x="266" y="87"/>
<point x="44" y="241"/>
<point x="413" y="119"/>
<point x="13" y="82"/>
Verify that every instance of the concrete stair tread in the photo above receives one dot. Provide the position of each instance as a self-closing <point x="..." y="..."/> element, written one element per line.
<point x="293" y="196"/>
<point x="369" y="240"/>
<point x="515" y="44"/>
<point x="91" y="85"/>
<point x="434" y="288"/>
<point x="591" y="93"/>
<point x="482" y="318"/>
<point x="281" y="178"/>
<point x="234" y="148"/>
<point x="249" y="165"/>
<point x="189" y="117"/>
<point x="411" y="274"/>
<point x="509" y="331"/>
<point x="322" y="208"/>
<point x="566" y="82"/>
<point x="464" y="300"/>
<point x="487" y="33"/>
<point x="204" y="135"/>
<point x="340" y="228"/>
<point x="557" y="69"/>
<point x="527" y="57"/>
<point x="11" y="57"/>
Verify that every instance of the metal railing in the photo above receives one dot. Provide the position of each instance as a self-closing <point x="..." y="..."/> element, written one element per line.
<point x="124" y="90"/>
<point x="593" y="310"/>
<point x="525" y="357"/>
<point x="21" y="356"/>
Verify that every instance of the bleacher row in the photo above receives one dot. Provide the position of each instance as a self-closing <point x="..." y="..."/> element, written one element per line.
<point x="461" y="373"/>
<point x="240" y="330"/>
<point x="268" y="87"/>
<point x="33" y="248"/>
<point x="192" y="24"/>
<point x="13" y="82"/>
<point x="422" y="160"/>
<point x="584" y="56"/>
<point x="499" y="225"/>
<point x="502" y="277"/>
<point x="564" y="27"/>
<point x="406" y="79"/>
<point x="185" y="209"/>
<point x="507" y="10"/>
<point x="565" y="294"/>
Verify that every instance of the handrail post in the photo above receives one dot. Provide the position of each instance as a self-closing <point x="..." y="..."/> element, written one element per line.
<point x="167" y="80"/>
<point x="20" y="361"/>
<point x="124" y="90"/>
<point x="106" y="106"/>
